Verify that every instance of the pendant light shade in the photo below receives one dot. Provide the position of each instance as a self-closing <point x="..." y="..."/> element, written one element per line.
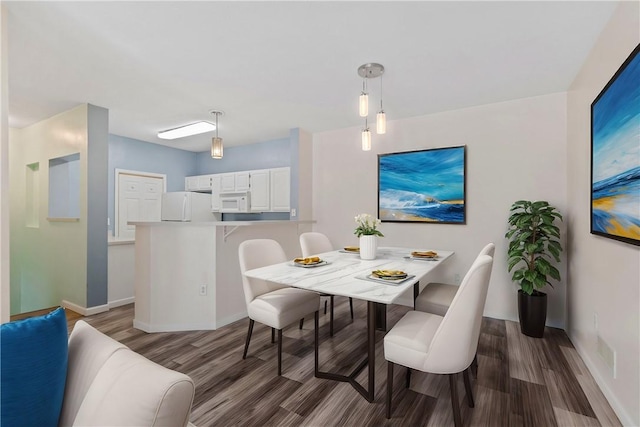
<point x="216" y="148"/>
<point x="381" y="123"/>
<point x="366" y="137"/>
<point x="364" y="105"/>
<point x="216" y="142"/>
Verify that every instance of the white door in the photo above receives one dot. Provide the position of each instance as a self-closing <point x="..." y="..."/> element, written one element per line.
<point x="139" y="199"/>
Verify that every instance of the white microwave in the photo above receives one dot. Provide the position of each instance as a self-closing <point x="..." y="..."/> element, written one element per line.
<point x="235" y="202"/>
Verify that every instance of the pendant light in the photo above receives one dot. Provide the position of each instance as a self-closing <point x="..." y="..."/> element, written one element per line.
<point x="367" y="71"/>
<point x="216" y="142"/>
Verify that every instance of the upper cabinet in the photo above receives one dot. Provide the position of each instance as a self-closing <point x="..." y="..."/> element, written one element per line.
<point x="259" y="184"/>
<point x="270" y="188"/>
<point x="280" y="189"/>
<point x="198" y="183"/>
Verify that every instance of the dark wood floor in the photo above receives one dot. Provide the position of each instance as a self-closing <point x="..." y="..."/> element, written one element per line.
<point x="521" y="381"/>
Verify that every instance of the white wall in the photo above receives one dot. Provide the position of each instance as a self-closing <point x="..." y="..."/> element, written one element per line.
<point x="604" y="275"/>
<point x="4" y="171"/>
<point x="515" y="150"/>
<point x="48" y="263"/>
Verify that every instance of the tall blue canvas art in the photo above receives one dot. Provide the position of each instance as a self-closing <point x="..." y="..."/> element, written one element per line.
<point x="422" y="186"/>
<point x="615" y="155"/>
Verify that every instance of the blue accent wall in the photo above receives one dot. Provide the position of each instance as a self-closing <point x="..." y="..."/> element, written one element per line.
<point x="132" y="154"/>
<point x="263" y="155"/>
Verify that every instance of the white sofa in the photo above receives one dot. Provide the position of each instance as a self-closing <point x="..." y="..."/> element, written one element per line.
<point x="110" y="385"/>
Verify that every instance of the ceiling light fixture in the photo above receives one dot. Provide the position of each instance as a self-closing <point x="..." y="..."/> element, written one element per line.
<point x="216" y="142"/>
<point x="187" y="130"/>
<point x="367" y="71"/>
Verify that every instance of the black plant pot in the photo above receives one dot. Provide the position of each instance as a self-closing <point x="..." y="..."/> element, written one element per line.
<point x="532" y="310"/>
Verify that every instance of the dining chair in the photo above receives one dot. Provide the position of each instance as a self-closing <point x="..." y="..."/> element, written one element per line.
<point x="436" y="297"/>
<point x="271" y="304"/>
<point x="442" y="344"/>
<point x="314" y="243"/>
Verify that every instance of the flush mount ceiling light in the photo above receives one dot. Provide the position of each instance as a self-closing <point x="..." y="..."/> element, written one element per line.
<point x="216" y="142"/>
<point x="368" y="71"/>
<point x="187" y="130"/>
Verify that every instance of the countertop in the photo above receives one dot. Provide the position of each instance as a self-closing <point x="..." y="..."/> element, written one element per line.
<point x="218" y="223"/>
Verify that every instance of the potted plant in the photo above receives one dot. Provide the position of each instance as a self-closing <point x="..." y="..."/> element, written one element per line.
<point x="367" y="231"/>
<point x="533" y="243"/>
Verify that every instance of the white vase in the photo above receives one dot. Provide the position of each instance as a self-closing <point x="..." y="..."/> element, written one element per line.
<point x="368" y="247"/>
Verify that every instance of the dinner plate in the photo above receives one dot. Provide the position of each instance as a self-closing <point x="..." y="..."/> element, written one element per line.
<point x="398" y="276"/>
<point x="310" y="265"/>
<point x="351" y="249"/>
<point x="424" y="258"/>
<point x="424" y="254"/>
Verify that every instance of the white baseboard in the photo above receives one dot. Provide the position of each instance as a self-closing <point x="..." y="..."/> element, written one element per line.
<point x="172" y="327"/>
<point x="228" y="320"/>
<point x="121" y="302"/>
<point x="622" y="414"/>
<point x="83" y="310"/>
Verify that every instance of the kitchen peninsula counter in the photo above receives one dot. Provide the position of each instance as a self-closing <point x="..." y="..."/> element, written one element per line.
<point x="187" y="274"/>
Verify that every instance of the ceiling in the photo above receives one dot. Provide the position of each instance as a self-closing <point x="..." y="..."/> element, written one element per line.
<point x="274" y="66"/>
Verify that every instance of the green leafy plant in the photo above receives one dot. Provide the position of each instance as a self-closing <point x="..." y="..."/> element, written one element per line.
<point x="533" y="242"/>
<point x="367" y="226"/>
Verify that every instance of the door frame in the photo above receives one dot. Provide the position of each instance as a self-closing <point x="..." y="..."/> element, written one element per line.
<point x="118" y="172"/>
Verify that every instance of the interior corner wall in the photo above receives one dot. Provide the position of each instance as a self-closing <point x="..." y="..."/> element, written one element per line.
<point x="515" y="150"/>
<point x="96" y="176"/>
<point x="304" y="171"/>
<point x="48" y="262"/>
<point x="5" y="306"/>
<point x="604" y="274"/>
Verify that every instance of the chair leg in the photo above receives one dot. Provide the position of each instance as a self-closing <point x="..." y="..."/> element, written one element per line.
<point x="316" y="328"/>
<point x="351" y="306"/>
<point x="279" y="352"/>
<point x="408" y="378"/>
<point x="467" y="387"/>
<point x="389" y="387"/>
<point x="246" y="344"/>
<point x="273" y="335"/>
<point x="301" y="323"/>
<point x="331" y="317"/>
<point x="474" y="365"/>
<point x="453" y="385"/>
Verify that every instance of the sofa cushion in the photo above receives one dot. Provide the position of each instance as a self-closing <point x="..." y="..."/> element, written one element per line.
<point x="130" y="390"/>
<point x="33" y="370"/>
<point x="89" y="349"/>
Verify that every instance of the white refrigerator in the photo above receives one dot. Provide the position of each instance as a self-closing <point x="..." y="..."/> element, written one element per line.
<point x="186" y="206"/>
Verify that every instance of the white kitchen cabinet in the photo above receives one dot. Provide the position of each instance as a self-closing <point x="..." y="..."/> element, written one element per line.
<point x="259" y="183"/>
<point x="227" y="182"/>
<point x="198" y="183"/>
<point x="190" y="183"/>
<point x="280" y="185"/>
<point x="215" y="192"/>
<point x="242" y="181"/>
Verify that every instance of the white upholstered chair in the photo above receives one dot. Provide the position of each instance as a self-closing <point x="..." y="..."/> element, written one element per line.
<point x="436" y="297"/>
<point x="271" y="304"/>
<point x="442" y="345"/>
<point x="313" y="243"/>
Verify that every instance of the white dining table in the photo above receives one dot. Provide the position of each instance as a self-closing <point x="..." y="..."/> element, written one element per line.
<point x="345" y="274"/>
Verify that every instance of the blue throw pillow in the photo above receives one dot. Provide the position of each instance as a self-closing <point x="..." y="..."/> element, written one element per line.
<point x="33" y="370"/>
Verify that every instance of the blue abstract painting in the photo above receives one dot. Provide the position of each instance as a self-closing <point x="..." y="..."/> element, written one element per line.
<point x="615" y="155"/>
<point x="422" y="186"/>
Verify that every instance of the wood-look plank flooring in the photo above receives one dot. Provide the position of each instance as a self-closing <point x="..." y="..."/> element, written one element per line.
<point x="521" y="381"/>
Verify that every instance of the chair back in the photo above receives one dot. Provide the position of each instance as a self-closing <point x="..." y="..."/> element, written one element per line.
<point x="455" y="341"/>
<point x="490" y="249"/>
<point x="258" y="253"/>
<point x="313" y="243"/>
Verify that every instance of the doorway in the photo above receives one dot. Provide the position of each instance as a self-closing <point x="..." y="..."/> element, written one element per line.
<point x="138" y="198"/>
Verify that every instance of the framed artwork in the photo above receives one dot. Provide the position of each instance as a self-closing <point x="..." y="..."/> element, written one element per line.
<point x="615" y="155"/>
<point x="422" y="186"/>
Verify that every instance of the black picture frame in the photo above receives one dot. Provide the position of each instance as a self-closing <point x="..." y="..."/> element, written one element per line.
<point x="424" y="186"/>
<point x="615" y="155"/>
